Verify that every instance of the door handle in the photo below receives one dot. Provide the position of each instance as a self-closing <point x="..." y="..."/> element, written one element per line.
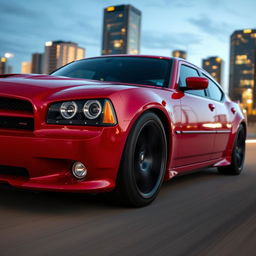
<point x="233" y="110"/>
<point x="211" y="107"/>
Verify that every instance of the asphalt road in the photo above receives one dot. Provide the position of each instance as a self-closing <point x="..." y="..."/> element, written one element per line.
<point x="198" y="214"/>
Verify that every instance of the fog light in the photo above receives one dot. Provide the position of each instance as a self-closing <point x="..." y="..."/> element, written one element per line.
<point x="79" y="170"/>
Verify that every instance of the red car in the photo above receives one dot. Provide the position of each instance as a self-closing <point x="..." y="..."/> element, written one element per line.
<point x="116" y="123"/>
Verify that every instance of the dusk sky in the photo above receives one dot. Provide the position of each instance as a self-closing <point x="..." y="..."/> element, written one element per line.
<point x="201" y="27"/>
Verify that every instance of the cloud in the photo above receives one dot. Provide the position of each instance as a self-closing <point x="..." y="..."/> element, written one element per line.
<point x="157" y="40"/>
<point x="16" y="10"/>
<point x="211" y="27"/>
<point x="170" y="3"/>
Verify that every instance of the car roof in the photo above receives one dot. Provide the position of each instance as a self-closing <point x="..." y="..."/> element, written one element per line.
<point x="132" y="55"/>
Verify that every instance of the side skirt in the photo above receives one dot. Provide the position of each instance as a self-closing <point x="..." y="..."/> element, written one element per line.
<point x="191" y="167"/>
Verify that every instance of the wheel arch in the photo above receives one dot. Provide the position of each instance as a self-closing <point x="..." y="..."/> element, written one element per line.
<point x="232" y="138"/>
<point x="167" y="124"/>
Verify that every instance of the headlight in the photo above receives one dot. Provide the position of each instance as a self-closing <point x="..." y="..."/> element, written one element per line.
<point x="92" y="109"/>
<point x="68" y="109"/>
<point x="94" y="112"/>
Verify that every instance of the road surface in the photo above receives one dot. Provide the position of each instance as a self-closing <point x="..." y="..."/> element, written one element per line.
<point x="198" y="214"/>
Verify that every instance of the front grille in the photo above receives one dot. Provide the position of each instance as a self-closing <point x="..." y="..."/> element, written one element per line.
<point x="14" y="171"/>
<point x="16" y="114"/>
<point x="15" y="104"/>
<point x="19" y="123"/>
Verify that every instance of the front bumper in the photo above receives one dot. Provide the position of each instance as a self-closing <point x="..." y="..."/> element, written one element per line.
<point x="48" y="155"/>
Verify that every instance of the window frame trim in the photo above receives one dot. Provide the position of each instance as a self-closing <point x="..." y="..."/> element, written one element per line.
<point x="199" y="75"/>
<point x="208" y="94"/>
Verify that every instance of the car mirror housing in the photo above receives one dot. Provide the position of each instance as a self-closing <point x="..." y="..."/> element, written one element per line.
<point x="196" y="83"/>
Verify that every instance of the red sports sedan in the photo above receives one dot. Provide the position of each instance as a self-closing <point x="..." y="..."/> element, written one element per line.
<point x="120" y="124"/>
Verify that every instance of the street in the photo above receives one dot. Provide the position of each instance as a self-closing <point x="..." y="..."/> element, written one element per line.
<point x="203" y="213"/>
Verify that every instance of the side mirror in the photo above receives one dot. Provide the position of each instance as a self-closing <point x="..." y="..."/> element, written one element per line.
<point x="196" y="83"/>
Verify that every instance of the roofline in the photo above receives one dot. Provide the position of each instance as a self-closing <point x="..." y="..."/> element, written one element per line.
<point x="133" y="55"/>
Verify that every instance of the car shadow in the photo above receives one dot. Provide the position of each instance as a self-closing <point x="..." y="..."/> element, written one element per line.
<point x="60" y="202"/>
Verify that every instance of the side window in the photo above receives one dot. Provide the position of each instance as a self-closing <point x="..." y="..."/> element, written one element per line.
<point x="186" y="71"/>
<point x="214" y="91"/>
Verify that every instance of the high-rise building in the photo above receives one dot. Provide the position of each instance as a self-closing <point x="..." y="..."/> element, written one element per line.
<point x="3" y="65"/>
<point x="214" y="66"/>
<point x="26" y="67"/>
<point x="242" y="68"/>
<point x="59" y="53"/>
<point x="121" y="30"/>
<point x="37" y="63"/>
<point x="9" y="69"/>
<point x="179" y="54"/>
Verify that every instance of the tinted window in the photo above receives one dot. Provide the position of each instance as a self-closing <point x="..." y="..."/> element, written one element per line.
<point x="137" y="70"/>
<point x="186" y="71"/>
<point x="214" y="91"/>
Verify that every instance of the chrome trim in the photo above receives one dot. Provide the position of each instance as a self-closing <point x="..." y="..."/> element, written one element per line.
<point x="193" y="132"/>
<point x="202" y="131"/>
<point x="223" y="131"/>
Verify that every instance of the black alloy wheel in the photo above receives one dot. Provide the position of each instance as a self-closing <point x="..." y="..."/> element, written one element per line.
<point x="143" y="162"/>
<point x="238" y="155"/>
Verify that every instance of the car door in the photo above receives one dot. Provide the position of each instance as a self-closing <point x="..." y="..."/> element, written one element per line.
<point x="197" y="128"/>
<point x="223" y="126"/>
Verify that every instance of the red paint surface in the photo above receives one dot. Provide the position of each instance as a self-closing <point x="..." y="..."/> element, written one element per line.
<point x="49" y="151"/>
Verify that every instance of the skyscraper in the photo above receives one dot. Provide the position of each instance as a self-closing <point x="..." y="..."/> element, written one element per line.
<point x="242" y="67"/>
<point x="3" y="65"/>
<point x="214" y="66"/>
<point x="179" y="54"/>
<point x="121" y="30"/>
<point x="59" y="53"/>
<point x="37" y="63"/>
<point x="26" y="67"/>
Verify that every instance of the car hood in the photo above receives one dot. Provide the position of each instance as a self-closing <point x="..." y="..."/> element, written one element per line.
<point x="52" y="87"/>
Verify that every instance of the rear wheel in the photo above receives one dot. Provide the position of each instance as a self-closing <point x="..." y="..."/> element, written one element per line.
<point x="238" y="154"/>
<point x="143" y="163"/>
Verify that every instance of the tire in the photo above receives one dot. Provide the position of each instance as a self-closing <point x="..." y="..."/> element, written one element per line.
<point x="238" y="155"/>
<point x="143" y="162"/>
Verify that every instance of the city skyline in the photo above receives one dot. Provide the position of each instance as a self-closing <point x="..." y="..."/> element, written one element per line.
<point x="202" y="28"/>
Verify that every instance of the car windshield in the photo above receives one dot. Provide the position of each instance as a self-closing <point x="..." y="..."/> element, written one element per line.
<point x="135" y="70"/>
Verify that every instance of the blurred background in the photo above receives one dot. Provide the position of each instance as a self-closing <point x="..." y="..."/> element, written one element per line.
<point x="220" y="36"/>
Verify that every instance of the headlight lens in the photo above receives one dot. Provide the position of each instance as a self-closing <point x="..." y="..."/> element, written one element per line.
<point x="68" y="109"/>
<point x="92" y="109"/>
<point x="91" y="112"/>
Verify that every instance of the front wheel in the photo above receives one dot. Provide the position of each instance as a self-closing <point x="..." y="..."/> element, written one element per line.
<point x="238" y="155"/>
<point x="144" y="162"/>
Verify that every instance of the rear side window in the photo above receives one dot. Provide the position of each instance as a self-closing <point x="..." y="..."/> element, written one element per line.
<point x="186" y="71"/>
<point x="214" y="91"/>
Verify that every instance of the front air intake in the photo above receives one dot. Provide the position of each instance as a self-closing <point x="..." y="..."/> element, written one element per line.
<point x="16" y="114"/>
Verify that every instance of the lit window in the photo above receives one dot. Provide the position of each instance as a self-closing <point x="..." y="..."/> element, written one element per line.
<point x="247" y="31"/>
<point x="133" y="51"/>
<point x="246" y="82"/>
<point x="247" y="72"/>
<point x="242" y="59"/>
<point x="49" y="43"/>
<point x="118" y="43"/>
<point x="110" y="8"/>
